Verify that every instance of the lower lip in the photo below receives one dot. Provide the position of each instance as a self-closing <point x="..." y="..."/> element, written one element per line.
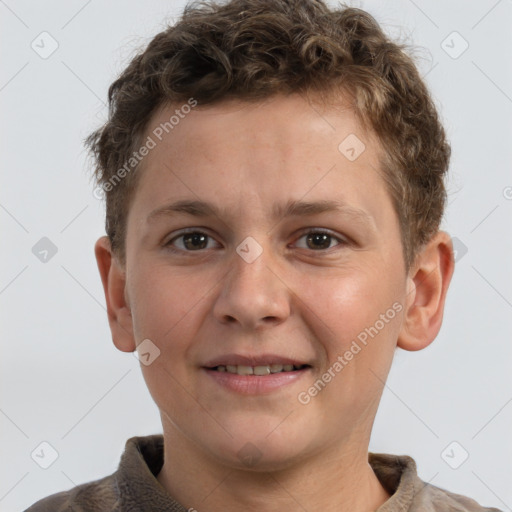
<point x="255" y="384"/>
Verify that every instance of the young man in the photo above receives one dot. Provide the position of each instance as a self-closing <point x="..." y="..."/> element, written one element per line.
<point x="273" y="173"/>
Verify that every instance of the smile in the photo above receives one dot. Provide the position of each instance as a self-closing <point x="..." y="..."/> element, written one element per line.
<point x="260" y="371"/>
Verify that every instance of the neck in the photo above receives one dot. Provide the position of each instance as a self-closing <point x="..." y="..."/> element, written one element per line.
<point x="339" y="480"/>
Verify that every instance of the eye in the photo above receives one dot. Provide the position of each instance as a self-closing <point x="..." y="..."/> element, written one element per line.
<point x="194" y="241"/>
<point x="319" y="239"/>
<point x="190" y="241"/>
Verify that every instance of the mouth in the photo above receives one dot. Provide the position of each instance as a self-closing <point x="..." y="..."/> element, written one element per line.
<point x="259" y="371"/>
<point x="255" y="375"/>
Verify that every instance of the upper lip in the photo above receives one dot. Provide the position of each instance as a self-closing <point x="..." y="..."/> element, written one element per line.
<point x="252" y="360"/>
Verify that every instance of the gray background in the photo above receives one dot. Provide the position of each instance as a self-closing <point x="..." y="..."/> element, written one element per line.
<point x="64" y="382"/>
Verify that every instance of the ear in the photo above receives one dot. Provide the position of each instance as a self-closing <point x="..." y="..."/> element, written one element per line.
<point x="428" y="283"/>
<point x="113" y="277"/>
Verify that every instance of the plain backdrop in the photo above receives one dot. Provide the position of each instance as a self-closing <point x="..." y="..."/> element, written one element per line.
<point x="63" y="381"/>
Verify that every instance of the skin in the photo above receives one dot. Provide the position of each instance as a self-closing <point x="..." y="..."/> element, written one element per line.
<point x="299" y="298"/>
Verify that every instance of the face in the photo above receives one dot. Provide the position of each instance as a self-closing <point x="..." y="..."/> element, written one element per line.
<point x="260" y="241"/>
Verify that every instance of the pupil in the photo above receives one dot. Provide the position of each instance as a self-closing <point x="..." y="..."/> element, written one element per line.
<point x="320" y="237"/>
<point x="194" y="238"/>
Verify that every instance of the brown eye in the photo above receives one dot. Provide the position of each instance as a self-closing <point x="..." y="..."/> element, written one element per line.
<point x="190" y="242"/>
<point x="319" y="240"/>
<point x="195" y="241"/>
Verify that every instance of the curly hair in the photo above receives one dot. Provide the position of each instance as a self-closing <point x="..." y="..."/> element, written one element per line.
<point x="253" y="49"/>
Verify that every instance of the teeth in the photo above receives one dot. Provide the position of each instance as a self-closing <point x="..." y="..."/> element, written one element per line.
<point x="261" y="370"/>
<point x="245" y="370"/>
<point x="258" y="370"/>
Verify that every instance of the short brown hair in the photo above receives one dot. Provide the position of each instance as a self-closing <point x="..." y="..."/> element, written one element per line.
<point x="253" y="49"/>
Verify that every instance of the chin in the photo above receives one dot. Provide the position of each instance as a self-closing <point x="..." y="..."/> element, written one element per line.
<point x="261" y="449"/>
<point x="257" y="458"/>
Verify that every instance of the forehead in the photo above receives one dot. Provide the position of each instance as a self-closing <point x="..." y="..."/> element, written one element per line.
<point x="251" y="156"/>
<point x="284" y="124"/>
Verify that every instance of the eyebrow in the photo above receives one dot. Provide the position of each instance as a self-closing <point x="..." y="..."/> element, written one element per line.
<point x="292" y="208"/>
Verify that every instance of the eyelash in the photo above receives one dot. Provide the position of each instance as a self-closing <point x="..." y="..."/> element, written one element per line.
<point x="168" y="245"/>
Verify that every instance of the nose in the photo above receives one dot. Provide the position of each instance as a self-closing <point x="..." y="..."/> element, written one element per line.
<point x="253" y="294"/>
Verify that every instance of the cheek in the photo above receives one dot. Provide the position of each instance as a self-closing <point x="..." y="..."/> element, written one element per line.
<point x="164" y="304"/>
<point x="352" y="306"/>
<point x="357" y="343"/>
<point x="167" y="311"/>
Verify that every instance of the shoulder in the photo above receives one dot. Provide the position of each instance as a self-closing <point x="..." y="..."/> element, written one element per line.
<point x="94" y="496"/>
<point x="398" y="475"/>
<point x="434" y="498"/>
<point x="133" y="482"/>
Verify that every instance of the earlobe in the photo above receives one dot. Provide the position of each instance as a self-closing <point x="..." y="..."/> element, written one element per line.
<point x="113" y="278"/>
<point x="428" y="285"/>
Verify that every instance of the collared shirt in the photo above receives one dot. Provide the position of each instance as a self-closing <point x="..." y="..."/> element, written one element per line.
<point x="134" y="486"/>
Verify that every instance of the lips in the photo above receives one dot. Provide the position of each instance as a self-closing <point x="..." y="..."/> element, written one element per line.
<point x="260" y="370"/>
<point x="259" y="375"/>
<point x="255" y="374"/>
